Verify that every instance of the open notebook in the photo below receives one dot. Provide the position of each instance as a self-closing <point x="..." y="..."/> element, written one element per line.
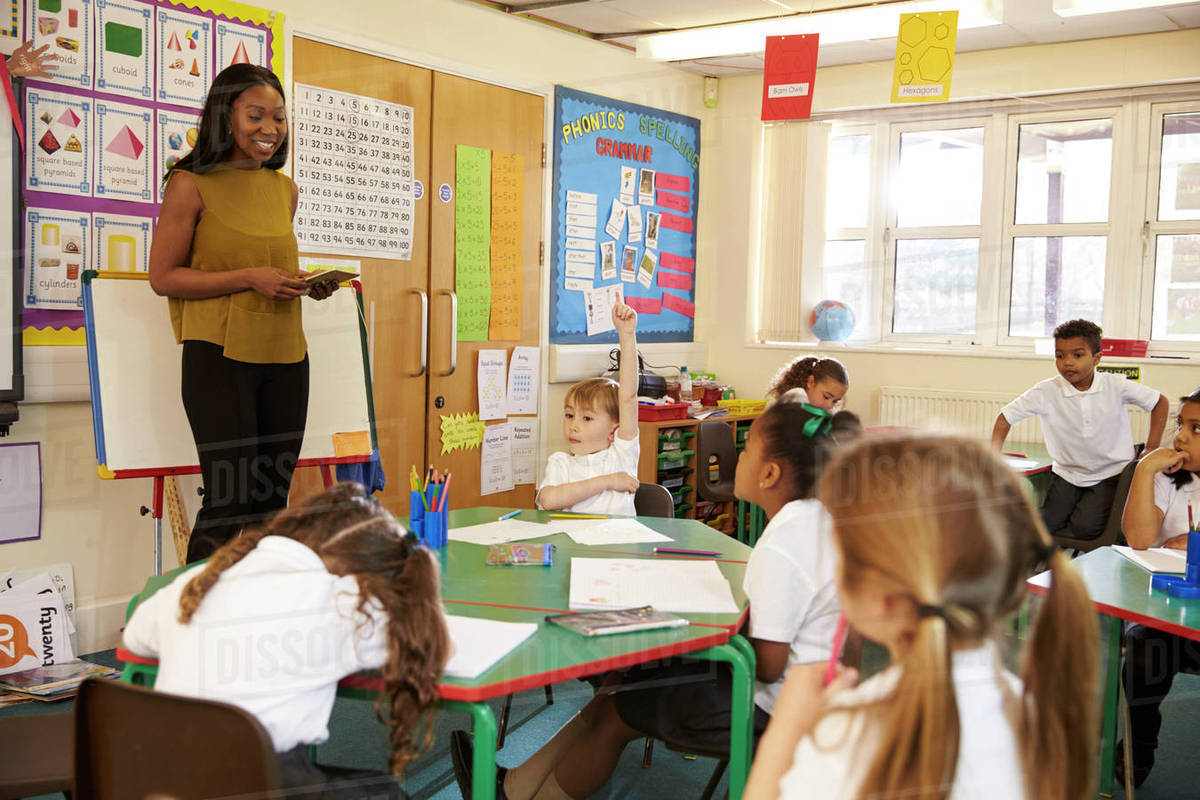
<point x="685" y="586"/>
<point x="1156" y="559"/>
<point x="480" y="643"/>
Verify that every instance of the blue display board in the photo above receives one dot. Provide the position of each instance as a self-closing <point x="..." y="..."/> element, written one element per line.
<point x="626" y="187"/>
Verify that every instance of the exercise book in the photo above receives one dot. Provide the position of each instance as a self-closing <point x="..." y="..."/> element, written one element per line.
<point x="608" y="531"/>
<point x="480" y="643"/>
<point x="695" y="587"/>
<point x="500" y="532"/>
<point x="1156" y="559"/>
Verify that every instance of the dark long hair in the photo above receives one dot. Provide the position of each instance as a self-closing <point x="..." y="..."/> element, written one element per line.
<point x="215" y="139"/>
<point x="794" y="374"/>
<point x="1181" y="477"/>
<point x="353" y="535"/>
<point x="802" y="437"/>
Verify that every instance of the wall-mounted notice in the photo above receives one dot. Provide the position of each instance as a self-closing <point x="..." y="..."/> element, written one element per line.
<point x="184" y="57"/>
<point x="631" y="171"/>
<point x="508" y="201"/>
<point x="121" y="244"/>
<point x="492" y="404"/>
<point x="524" y="450"/>
<point x="56" y="251"/>
<point x="354" y="169"/>
<point x="924" y="57"/>
<point x="495" y="459"/>
<point x="472" y="241"/>
<point x="65" y="26"/>
<point x="523" y="380"/>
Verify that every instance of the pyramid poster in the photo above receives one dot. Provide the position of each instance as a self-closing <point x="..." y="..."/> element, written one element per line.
<point x="240" y="44"/>
<point x="123" y="165"/>
<point x="184" y="57"/>
<point x="69" y="118"/>
<point x="56" y="132"/>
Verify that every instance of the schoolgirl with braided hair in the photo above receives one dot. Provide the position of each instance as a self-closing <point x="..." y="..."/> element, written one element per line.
<point x="822" y="379"/>
<point x="935" y="538"/>
<point x="279" y="615"/>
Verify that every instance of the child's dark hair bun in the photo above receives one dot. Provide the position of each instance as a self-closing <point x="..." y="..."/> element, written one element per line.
<point x="801" y="436"/>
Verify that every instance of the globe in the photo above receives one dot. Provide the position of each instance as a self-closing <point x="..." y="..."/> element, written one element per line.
<point x="831" y="321"/>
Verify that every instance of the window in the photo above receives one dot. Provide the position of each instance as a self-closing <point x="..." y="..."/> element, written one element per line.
<point x="991" y="223"/>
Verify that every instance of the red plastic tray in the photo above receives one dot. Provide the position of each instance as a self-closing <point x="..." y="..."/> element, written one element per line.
<point x="658" y="413"/>
<point x="1130" y="348"/>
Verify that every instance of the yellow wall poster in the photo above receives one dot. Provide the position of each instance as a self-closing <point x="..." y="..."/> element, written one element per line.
<point x="924" y="57"/>
<point x="461" y="432"/>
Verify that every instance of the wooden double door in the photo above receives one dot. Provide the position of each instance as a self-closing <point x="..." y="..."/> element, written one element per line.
<point x="420" y="371"/>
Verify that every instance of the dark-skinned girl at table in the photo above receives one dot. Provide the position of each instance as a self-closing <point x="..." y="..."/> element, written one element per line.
<point x="1165" y="487"/>
<point x="793" y="615"/>
<point x="225" y="254"/>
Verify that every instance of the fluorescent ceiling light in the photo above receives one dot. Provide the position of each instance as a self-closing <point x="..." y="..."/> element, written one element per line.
<point x="848" y="25"/>
<point x="1079" y="8"/>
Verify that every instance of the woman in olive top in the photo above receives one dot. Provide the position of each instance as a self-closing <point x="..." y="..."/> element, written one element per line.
<point x="225" y="254"/>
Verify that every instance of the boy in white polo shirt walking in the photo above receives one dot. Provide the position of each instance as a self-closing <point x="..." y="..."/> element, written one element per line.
<point x="1086" y="429"/>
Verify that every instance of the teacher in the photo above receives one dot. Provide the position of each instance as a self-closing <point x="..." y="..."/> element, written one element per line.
<point x="225" y="255"/>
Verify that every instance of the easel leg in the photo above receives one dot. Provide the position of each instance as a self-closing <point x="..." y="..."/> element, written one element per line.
<point x="327" y="475"/>
<point x="157" y="512"/>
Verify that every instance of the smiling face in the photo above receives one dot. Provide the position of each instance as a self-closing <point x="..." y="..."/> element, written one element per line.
<point x="1075" y="361"/>
<point x="824" y="393"/>
<point x="1187" y="437"/>
<point x="259" y="123"/>
<point x="587" y="430"/>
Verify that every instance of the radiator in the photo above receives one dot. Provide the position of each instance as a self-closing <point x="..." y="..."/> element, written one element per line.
<point x="974" y="413"/>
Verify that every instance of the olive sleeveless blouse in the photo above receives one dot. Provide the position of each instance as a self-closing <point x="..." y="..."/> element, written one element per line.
<point x="246" y="222"/>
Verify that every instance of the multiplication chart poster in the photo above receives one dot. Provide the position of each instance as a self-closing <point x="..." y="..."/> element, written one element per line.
<point x="625" y="189"/>
<point x="354" y="167"/>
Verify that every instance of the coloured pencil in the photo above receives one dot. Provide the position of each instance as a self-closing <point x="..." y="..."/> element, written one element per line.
<point x="839" y="638"/>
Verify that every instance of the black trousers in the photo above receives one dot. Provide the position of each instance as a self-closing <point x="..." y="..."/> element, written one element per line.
<point x="248" y="423"/>
<point x="1080" y="512"/>
<point x="304" y="780"/>
<point x="1152" y="660"/>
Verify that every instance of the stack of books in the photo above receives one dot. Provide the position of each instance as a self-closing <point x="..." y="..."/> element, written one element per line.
<point x="56" y="682"/>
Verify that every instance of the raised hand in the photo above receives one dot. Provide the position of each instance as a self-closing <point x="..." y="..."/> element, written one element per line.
<point x="624" y="319"/>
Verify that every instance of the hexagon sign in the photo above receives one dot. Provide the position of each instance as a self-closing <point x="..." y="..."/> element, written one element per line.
<point x="924" y="57"/>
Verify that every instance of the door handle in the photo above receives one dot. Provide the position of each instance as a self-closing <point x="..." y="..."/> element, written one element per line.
<point x="453" y="332"/>
<point x="424" y="330"/>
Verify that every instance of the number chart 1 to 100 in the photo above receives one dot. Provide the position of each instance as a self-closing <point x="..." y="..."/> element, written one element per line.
<point x="354" y="169"/>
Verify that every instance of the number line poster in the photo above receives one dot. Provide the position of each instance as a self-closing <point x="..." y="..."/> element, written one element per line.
<point x="623" y="215"/>
<point x="121" y="108"/>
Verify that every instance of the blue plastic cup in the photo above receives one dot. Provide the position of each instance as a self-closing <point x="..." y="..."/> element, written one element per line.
<point x="436" y="528"/>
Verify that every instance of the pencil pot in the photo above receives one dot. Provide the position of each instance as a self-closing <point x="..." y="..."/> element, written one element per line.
<point x="416" y="516"/>
<point x="1193" y="558"/>
<point x="437" y="529"/>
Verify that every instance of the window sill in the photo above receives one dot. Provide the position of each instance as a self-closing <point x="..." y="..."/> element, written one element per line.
<point x="964" y="351"/>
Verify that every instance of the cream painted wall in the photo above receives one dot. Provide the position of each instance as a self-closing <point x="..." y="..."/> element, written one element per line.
<point x="731" y="192"/>
<point x="94" y="524"/>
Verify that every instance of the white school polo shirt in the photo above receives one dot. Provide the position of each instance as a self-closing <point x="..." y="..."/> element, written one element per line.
<point x="620" y="456"/>
<point x="832" y="761"/>
<point x="274" y="635"/>
<point x="1087" y="433"/>
<point x="1174" y="505"/>
<point x="789" y="581"/>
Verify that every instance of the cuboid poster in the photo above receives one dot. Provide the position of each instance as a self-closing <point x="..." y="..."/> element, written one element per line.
<point x="626" y="186"/>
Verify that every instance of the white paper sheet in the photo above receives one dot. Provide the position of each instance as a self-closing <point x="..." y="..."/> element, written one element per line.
<point x="611" y="531"/>
<point x="491" y="384"/>
<point x="608" y="260"/>
<point x="480" y="643"/>
<point x="1156" y="559"/>
<point x="524" y="450"/>
<point x="20" y="491"/>
<point x="598" y="304"/>
<point x="500" y="532"/>
<point x="495" y="460"/>
<point x="616" y="219"/>
<point x="695" y="587"/>
<point x="523" y="380"/>
<point x="635" y="224"/>
<point x="628" y="184"/>
<point x="646" y="188"/>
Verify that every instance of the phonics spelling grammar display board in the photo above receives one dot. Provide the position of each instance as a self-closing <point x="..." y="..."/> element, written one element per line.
<point x="122" y="107"/>
<point x="624" y="218"/>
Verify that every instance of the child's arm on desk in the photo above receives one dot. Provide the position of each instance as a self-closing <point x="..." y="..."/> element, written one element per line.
<point x="625" y="320"/>
<point x="1142" y="518"/>
<point x="1000" y="431"/>
<point x="566" y="495"/>
<point x="1158" y="424"/>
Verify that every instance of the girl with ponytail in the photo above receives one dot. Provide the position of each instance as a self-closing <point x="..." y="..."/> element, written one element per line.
<point x="278" y="616"/>
<point x="935" y="537"/>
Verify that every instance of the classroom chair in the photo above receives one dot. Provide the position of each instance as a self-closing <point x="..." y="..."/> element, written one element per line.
<point x="715" y="447"/>
<point x="653" y="500"/>
<point x="1112" y="533"/>
<point x="36" y="757"/>
<point x="132" y="742"/>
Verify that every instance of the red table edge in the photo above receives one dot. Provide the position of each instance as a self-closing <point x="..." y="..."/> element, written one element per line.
<point x="1129" y="616"/>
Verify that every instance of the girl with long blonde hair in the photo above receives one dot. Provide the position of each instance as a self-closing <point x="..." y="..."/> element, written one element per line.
<point x="935" y="538"/>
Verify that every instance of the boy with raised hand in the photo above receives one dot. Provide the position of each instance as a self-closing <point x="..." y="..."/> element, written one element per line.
<point x="1086" y="428"/>
<point x="598" y="474"/>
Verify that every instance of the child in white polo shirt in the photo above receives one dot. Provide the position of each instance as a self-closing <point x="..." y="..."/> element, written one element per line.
<point x="1086" y="429"/>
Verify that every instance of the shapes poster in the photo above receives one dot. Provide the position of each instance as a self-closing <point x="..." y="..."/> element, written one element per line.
<point x="625" y="192"/>
<point x="124" y="48"/>
<point x="58" y="133"/>
<point x="177" y="133"/>
<point x="184" y="57"/>
<point x="240" y="44"/>
<point x="66" y="26"/>
<point x="924" y="57"/>
<point x="123" y="151"/>
<point x="121" y="243"/>
<point x="56" y="251"/>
